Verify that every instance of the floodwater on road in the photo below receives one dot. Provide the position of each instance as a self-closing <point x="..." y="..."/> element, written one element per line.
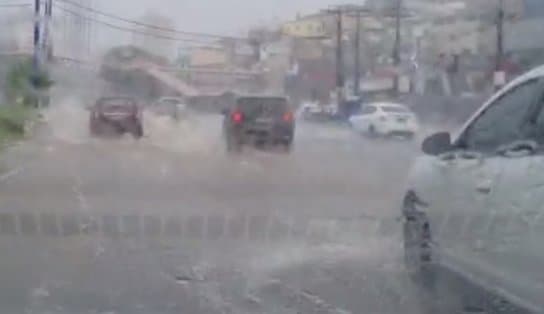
<point x="173" y="224"/>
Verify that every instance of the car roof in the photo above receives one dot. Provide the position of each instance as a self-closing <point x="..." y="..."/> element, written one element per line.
<point x="261" y="96"/>
<point x="104" y="99"/>
<point x="387" y="104"/>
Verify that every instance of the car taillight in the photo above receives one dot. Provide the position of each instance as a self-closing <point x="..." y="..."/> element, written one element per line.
<point x="237" y="117"/>
<point x="288" y="117"/>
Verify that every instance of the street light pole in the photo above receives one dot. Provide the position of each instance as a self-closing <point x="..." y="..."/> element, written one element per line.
<point x="47" y="42"/>
<point x="396" y="46"/>
<point x="339" y="58"/>
<point x="357" y="78"/>
<point x="500" y="36"/>
<point x="36" y="36"/>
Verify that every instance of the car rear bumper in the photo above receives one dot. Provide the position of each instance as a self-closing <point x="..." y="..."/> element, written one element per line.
<point x="253" y="136"/>
<point x="265" y="136"/>
<point x="114" y="126"/>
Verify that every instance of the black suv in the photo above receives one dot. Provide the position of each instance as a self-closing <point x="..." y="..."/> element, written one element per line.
<point x="258" y="121"/>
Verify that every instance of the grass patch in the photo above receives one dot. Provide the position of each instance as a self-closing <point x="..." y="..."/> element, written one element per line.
<point x="13" y="122"/>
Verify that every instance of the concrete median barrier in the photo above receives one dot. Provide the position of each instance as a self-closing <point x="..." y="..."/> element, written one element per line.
<point x="215" y="227"/>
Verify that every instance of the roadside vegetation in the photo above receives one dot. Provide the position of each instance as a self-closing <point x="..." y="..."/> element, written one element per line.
<point x="22" y="91"/>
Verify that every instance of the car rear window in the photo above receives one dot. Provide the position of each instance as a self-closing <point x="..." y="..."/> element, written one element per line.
<point x="116" y="104"/>
<point x="395" y="109"/>
<point x="261" y="106"/>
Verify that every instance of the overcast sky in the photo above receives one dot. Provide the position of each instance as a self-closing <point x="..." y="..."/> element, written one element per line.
<point x="218" y="16"/>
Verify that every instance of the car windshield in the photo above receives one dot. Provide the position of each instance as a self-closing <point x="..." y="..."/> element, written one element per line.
<point x="257" y="106"/>
<point x="271" y="156"/>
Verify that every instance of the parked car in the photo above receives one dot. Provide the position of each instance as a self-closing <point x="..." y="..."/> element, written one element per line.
<point x="385" y="119"/>
<point x="172" y="107"/>
<point x="258" y="120"/>
<point x="474" y="201"/>
<point x="115" y="116"/>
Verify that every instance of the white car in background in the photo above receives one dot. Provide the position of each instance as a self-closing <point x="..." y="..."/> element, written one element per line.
<point x="307" y="109"/>
<point x="385" y="119"/>
<point x="474" y="204"/>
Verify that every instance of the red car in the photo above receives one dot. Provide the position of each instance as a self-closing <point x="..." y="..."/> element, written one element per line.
<point x="115" y="116"/>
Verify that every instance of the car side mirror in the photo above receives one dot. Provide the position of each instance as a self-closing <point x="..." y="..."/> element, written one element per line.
<point x="437" y="144"/>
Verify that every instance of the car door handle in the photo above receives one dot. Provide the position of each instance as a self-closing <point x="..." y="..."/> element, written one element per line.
<point x="518" y="149"/>
<point x="484" y="187"/>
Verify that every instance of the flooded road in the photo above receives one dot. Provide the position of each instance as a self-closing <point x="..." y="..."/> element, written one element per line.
<point x="172" y="224"/>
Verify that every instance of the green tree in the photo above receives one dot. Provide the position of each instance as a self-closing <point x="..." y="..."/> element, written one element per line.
<point x="24" y="84"/>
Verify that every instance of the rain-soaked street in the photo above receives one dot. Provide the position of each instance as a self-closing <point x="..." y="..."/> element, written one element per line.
<point x="172" y="224"/>
<point x="406" y="177"/>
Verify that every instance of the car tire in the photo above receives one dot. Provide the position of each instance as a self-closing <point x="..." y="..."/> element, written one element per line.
<point x="371" y="132"/>
<point x="96" y="129"/>
<point x="287" y="147"/>
<point x="441" y="286"/>
<point x="138" y="132"/>
<point x="418" y="257"/>
<point x="233" y="145"/>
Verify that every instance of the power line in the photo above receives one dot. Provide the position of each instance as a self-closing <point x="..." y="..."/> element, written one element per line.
<point x="134" y="31"/>
<point x="166" y="29"/>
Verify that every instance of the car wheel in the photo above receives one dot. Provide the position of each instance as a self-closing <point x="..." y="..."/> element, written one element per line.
<point x="371" y="132"/>
<point x="287" y="146"/>
<point x="418" y="255"/>
<point x="233" y="145"/>
<point x="137" y="132"/>
<point x="96" y="129"/>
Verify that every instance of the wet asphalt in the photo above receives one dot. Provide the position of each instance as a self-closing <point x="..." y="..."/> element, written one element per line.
<point x="173" y="224"/>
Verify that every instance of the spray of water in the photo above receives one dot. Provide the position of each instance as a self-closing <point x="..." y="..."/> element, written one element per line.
<point x="192" y="134"/>
<point x="68" y="121"/>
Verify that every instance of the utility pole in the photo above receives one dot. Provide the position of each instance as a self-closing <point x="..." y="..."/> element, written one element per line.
<point x="339" y="59"/>
<point x="357" y="55"/>
<point x="340" y="75"/>
<point x="47" y="42"/>
<point x="499" y="76"/>
<point x="396" y="46"/>
<point x="36" y="39"/>
<point x="337" y="11"/>
<point x="89" y="31"/>
<point x="37" y="56"/>
<point x="500" y="36"/>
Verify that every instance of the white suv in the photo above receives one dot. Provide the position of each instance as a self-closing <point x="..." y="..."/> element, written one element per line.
<point x="385" y="119"/>
<point x="474" y="205"/>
